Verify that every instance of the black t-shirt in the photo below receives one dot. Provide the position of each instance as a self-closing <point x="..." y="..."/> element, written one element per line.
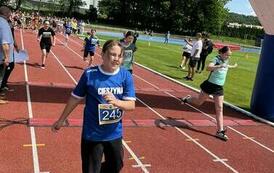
<point x="46" y="35"/>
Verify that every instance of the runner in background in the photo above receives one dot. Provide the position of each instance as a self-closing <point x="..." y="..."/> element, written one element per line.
<point x="67" y="31"/>
<point x="129" y="49"/>
<point x="90" y="43"/>
<point x="45" y="35"/>
<point x="218" y="68"/>
<point x="108" y="91"/>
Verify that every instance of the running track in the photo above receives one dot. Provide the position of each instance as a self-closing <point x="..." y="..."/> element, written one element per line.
<point x="160" y="135"/>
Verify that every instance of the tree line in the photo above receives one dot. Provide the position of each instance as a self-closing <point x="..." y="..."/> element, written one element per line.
<point x="185" y="17"/>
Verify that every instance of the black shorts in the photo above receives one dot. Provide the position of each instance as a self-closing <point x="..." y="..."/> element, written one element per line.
<point x="212" y="89"/>
<point x="186" y="54"/>
<point x="91" y="53"/>
<point x="92" y="153"/>
<point x="68" y="33"/>
<point x="192" y="62"/>
<point x="45" y="46"/>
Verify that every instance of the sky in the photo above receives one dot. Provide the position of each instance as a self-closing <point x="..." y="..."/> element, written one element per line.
<point x="240" y="7"/>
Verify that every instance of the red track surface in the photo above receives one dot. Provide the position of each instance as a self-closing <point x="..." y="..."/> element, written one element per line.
<point x="166" y="136"/>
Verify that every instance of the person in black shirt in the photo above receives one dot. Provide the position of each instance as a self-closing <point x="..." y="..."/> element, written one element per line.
<point x="45" y="35"/>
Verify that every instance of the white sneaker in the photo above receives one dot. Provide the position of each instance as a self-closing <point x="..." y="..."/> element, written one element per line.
<point x="185" y="99"/>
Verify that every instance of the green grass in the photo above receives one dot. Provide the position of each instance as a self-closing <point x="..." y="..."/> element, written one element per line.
<point x="166" y="60"/>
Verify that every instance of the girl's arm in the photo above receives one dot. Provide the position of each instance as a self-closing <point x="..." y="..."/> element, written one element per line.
<point x="125" y="105"/>
<point x="71" y="104"/>
<point x="232" y="66"/>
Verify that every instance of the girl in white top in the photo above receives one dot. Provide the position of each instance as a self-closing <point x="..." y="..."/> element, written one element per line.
<point x="186" y="53"/>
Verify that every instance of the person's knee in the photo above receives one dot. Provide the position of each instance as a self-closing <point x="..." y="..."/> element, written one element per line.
<point x="219" y="108"/>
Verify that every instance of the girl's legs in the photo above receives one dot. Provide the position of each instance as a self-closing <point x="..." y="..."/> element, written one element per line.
<point x="218" y="100"/>
<point x="186" y="61"/>
<point x="92" y="154"/>
<point x="197" y="101"/>
<point x="183" y="61"/>
<point x="90" y="60"/>
<point x="43" y="57"/>
<point x="66" y="39"/>
<point x="219" y="118"/>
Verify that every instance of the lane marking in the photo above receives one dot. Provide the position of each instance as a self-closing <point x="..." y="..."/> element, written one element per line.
<point x="192" y="139"/>
<point x="195" y="139"/>
<point x="145" y="165"/>
<point x="124" y="143"/>
<point x="35" y="145"/>
<point x="214" y="120"/>
<point x="32" y="130"/>
<point x="248" y="137"/>
<point x="140" y="158"/>
<point x="218" y="160"/>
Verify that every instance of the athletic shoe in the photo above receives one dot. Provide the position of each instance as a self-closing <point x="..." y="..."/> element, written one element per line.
<point x="186" y="77"/>
<point x="190" y="79"/>
<point x="184" y="68"/>
<point x="184" y="99"/>
<point x="3" y="102"/>
<point x="43" y="66"/>
<point x="221" y="135"/>
<point x="6" y="88"/>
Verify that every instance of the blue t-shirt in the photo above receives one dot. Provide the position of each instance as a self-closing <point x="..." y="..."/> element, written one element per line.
<point x="91" y="43"/>
<point x="6" y="38"/>
<point x="218" y="76"/>
<point x="94" y="83"/>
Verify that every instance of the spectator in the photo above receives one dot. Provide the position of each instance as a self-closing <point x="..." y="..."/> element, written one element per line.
<point x="6" y="43"/>
<point x="206" y="50"/>
<point x="195" y="56"/>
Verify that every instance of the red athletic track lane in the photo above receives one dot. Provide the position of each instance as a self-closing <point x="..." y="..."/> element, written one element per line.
<point x="164" y="149"/>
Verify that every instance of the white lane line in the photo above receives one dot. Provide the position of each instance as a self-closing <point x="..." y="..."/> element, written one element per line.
<point x="185" y="134"/>
<point x="192" y="139"/>
<point x="32" y="131"/>
<point x="209" y="116"/>
<point x="214" y="120"/>
<point x="138" y="161"/>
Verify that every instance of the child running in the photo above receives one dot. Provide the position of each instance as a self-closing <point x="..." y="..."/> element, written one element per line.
<point x="45" y="34"/>
<point x="90" y="43"/>
<point x="108" y="91"/>
<point x="67" y="31"/>
<point x="129" y="48"/>
<point x="218" y="68"/>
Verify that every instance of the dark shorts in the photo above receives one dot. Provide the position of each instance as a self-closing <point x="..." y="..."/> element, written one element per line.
<point x="68" y="33"/>
<point x="91" y="53"/>
<point x="212" y="89"/>
<point x="186" y="54"/>
<point x="193" y="62"/>
<point x="45" y="46"/>
<point x="92" y="153"/>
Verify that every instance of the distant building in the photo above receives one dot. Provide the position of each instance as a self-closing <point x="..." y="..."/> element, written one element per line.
<point x="237" y="25"/>
<point x="94" y="3"/>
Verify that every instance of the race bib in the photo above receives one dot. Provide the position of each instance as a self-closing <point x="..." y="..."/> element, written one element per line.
<point x="109" y="114"/>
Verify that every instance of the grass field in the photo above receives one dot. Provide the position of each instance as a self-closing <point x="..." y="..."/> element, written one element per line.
<point x="166" y="60"/>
